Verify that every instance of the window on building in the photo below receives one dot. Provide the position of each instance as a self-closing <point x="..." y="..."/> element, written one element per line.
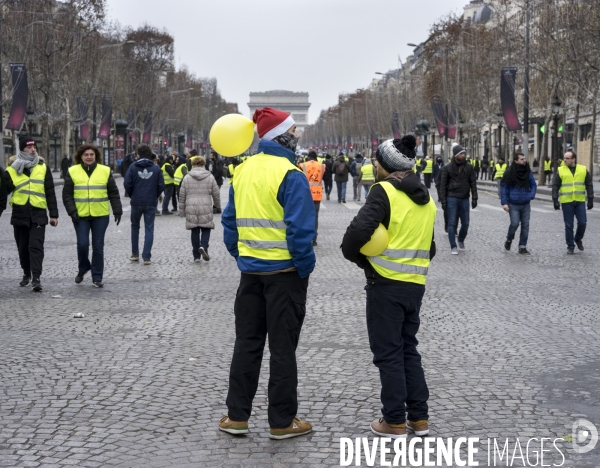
<point x="585" y="131"/>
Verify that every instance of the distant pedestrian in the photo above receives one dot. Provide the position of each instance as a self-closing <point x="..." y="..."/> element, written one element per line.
<point x="180" y="171"/>
<point x="31" y="184"/>
<point x="64" y="166"/>
<point x="396" y="285"/>
<point x="457" y="184"/>
<point x="217" y="167"/>
<point x="498" y="173"/>
<point x="366" y="176"/>
<point x="354" y="172"/>
<point x="88" y="194"/>
<point x="328" y="176"/>
<point x="547" y="169"/>
<point x="313" y="170"/>
<point x="168" y="172"/>
<point x="341" y="169"/>
<point x="476" y="167"/>
<point x="569" y="183"/>
<point x="144" y="183"/>
<point x="198" y="194"/>
<point x="427" y="170"/>
<point x="517" y="191"/>
<point x="485" y="165"/>
<point x="437" y="168"/>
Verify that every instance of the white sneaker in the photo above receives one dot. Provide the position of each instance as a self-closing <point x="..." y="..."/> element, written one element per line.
<point x="461" y="246"/>
<point x="454" y="251"/>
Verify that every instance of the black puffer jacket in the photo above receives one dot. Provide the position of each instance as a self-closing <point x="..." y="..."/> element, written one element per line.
<point x="458" y="181"/>
<point x="27" y="215"/>
<point x="377" y="210"/>
<point x="112" y="189"/>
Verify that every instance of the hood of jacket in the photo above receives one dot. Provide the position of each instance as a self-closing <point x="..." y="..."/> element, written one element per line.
<point x="409" y="183"/>
<point x="144" y="162"/>
<point x="275" y="149"/>
<point x="198" y="173"/>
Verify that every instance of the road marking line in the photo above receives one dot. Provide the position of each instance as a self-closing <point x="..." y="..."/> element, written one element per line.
<point x="490" y="207"/>
<point x="540" y="210"/>
<point x="352" y="206"/>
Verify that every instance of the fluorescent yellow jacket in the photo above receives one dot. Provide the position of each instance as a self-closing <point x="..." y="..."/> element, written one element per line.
<point x="179" y="174"/>
<point x="168" y="179"/>
<point x="367" y="173"/>
<point x="572" y="186"/>
<point x="90" y="193"/>
<point x="500" y="170"/>
<point x="29" y="188"/>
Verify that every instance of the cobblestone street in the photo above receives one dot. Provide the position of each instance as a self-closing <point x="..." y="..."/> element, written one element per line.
<point x="510" y="346"/>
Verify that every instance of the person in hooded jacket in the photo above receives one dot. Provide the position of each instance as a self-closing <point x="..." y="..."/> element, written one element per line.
<point x="198" y="194"/>
<point x="89" y="192"/>
<point x="437" y="168"/>
<point x="31" y="184"/>
<point x="328" y="176"/>
<point x="341" y="169"/>
<point x="144" y="183"/>
<point x="216" y="168"/>
<point x="396" y="283"/>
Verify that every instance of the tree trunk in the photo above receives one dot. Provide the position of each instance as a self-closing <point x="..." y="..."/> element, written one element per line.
<point x="544" y="155"/>
<point x="593" y="140"/>
<point x="576" y="128"/>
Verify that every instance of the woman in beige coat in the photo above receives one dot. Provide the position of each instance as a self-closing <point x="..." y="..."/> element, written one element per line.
<point x="199" y="192"/>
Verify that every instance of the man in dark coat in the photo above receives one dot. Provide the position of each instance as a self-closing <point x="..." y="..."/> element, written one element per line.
<point x="64" y="166"/>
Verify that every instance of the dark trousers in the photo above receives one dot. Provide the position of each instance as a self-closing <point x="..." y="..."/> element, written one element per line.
<point x="200" y="240"/>
<point x="341" y="190"/>
<point x="519" y="214"/>
<point x="175" y="196"/>
<point x="328" y="186"/>
<point x="149" y="214"/>
<point x="272" y="305"/>
<point x="392" y="324"/>
<point x="484" y="173"/>
<point x="97" y="225"/>
<point x="427" y="180"/>
<point x="476" y="173"/>
<point x="570" y="212"/>
<point x="317" y="207"/>
<point x="30" y="244"/>
<point x="167" y="197"/>
<point x="458" y="208"/>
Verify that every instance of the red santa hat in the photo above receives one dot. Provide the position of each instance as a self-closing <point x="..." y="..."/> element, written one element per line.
<point x="271" y="123"/>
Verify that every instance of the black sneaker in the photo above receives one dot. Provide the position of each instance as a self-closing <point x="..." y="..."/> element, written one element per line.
<point x="570" y="250"/>
<point x="98" y="284"/>
<point x="80" y="275"/>
<point x="204" y="254"/>
<point x="507" y="244"/>
<point x="579" y="244"/>
<point x="524" y="251"/>
<point x="25" y="281"/>
<point x="36" y="285"/>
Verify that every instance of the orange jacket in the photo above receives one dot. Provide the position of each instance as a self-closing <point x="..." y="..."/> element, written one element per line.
<point x="314" y="172"/>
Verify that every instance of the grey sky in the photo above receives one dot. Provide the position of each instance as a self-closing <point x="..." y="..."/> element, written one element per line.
<point x="324" y="47"/>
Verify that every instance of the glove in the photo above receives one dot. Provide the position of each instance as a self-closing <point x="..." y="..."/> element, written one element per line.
<point x="590" y="204"/>
<point x="117" y="219"/>
<point x="556" y="205"/>
<point x="444" y="206"/>
<point x="474" y="203"/>
<point x="75" y="219"/>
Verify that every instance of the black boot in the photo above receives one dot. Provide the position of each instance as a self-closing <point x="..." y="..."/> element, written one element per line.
<point x="36" y="285"/>
<point x="25" y="280"/>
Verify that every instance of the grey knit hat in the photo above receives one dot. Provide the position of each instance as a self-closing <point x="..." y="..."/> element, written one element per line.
<point x="397" y="155"/>
<point x="457" y="149"/>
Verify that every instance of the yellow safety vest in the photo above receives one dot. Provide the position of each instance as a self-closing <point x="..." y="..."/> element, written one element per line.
<point x="500" y="170"/>
<point x="429" y="167"/>
<point x="179" y="174"/>
<point x="410" y="232"/>
<point x="231" y="169"/>
<point x="168" y="179"/>
<point x="259" y="216"/>
<point x="367" y="172"/>
<point x="547" y="165"/>
<point x="91" y="193"/>
<point x="29" y="188"/>
<point x="572" y="186"/>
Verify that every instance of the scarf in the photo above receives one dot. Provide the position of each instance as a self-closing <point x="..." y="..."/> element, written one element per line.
<point x="25" y="160"/>
<point x="456" y="169"/>
<point x="287" y="140"/>
<point x="517" y="175"/>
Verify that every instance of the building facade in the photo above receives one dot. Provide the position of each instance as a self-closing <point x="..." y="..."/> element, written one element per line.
<point x="288" y="101"/>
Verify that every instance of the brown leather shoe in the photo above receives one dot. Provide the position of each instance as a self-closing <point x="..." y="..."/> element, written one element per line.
<point x="420" y="428"/>
<point x="233" y="427"/>
<point x="382" y="428"/>
<point x="295" y="429"/>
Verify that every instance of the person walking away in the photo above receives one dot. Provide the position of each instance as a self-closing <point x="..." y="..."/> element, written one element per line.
<point x="517" y="191"/>
<point x="547" y="169"/>
<point x="476" y="167"/>
<point x="328" y="176"/>
<point x="268" y="227"/>
<point x="437" y="168"/>
<point x="485" y="164"/>
<point x="498" y="173"/>
<point x="169" y="180"/>
<point x="31" y="184"/>
<point x="341" y="169"/>
<point x="568" y="192"/>
<point x="354" y="172"/>
<point x="88" y="194"/>
<point x="427" y="169"/>
<point x="366" y="176"/>
<point x="199" y="193"/>
<point x="180" y="171"/>
<point x="313" y="170"/>
<point x="457" y="184"/>
<point x="217" y="168"/>
<point x="396" y="284"/>
<point x="144" y="183"/>
<point x="64" y="166"/>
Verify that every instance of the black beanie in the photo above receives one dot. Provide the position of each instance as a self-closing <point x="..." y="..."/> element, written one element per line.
<point x="457" y="149"/>
<point x="24" y="141"/>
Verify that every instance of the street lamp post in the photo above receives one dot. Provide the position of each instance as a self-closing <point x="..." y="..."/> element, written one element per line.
<point x="556" y="106"/>
<point x="500" y="118"/>
<point x="55" y="136"/>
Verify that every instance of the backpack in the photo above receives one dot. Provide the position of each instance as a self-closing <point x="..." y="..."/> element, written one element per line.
<point x="340" y="169"/>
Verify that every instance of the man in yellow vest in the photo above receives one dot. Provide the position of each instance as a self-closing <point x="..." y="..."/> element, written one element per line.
<point x="396" y="284"/>
<point x="427" y="168"/>
<point x="569" y="188"/>
<point x="314" y="170"/>
<point x="499" y="170"/>
<point x="268" y="227"/>
<point x="169" y="177"/>
<point x="88" y="194"/>
<point x="31" y="184"/>
<point x="547" y="168"/>
<point x="366" y="176"/>
<point x="180" y="171"/>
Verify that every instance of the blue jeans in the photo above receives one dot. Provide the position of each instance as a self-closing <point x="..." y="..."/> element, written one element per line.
<point x="149" y="213"/>
<point x="367" y="188"/>
<point x="519" y="214"/>
<point x="570" y="212"/>
<point x="341" y="190"/>
<point x="392" y="324"/>
<point x="167" y="197"/>
<point x="200" y="240"/>
<point x="457" y="208"/>
<point x="98" y="226"/>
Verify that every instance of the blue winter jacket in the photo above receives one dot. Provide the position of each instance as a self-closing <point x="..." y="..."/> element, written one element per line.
<point x="298" y="213"/>
<point x="144" y="183"/>
<point x="516" y="195"/>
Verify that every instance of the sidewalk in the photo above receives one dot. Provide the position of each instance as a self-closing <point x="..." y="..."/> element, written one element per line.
<point x="543" y="193"/>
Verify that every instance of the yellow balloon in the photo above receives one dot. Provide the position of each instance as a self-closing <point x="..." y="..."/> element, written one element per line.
<point x="377" y="244"/>
<point x="232" y="134"/>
